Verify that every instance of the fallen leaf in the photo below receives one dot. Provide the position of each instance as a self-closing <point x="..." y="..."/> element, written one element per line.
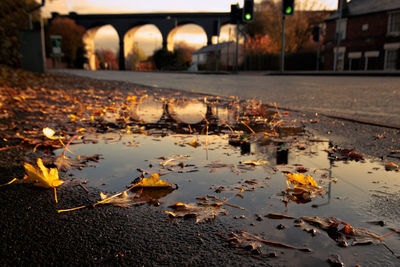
<point x="122" y="199"/>
<point x="301" y="188"/>
<point x="255" y="163"/>
<point x="250" y="241"/>
<point x="152" y="181"/>
<point x="49" y="133"/>
<point x="391" y="166"/>
<point x="194" y="144"/>
<point x="299" y="180"/>
<point x="342" y="235"/>
<point x="344" y="154"/>
<point x="169" y="161"/>
<point x="202" y="212"/>
<point x="379" y="136"/>
<point x="64" y="162"/>
<point x="42" y="177"/>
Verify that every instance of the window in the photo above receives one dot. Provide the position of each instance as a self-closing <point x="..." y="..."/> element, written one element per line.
<point x="341" y="26"/>
<point x="391" y="59"/>
<point x="394" y="23"/>
<point x="371" y="60"/>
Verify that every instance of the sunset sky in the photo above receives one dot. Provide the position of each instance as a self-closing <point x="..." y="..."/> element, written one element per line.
<point x="148" y="37"/>
<point x="138" y="6"/>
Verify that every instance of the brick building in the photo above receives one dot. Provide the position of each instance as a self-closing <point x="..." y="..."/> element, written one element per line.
<point x="366" y="36"/>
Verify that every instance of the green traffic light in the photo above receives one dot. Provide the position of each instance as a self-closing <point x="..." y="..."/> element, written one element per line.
<point x="288" y="10"/>
<point x="247" y="16"/>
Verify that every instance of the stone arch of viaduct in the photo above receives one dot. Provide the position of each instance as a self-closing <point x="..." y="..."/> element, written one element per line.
<point x="165" y="22"/>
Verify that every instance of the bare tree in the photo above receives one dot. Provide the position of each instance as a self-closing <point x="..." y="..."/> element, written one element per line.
<point x="268" y="21"/>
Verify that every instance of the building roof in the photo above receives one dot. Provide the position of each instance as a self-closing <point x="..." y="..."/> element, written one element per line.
<point x="211" y="48"/>
<point x="362" y="7"/>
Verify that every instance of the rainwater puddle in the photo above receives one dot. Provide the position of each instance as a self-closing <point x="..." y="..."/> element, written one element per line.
<point x="216" y="168"/>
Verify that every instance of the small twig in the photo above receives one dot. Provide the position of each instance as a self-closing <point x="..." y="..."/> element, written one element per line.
<point x="55" y="194"/>
<point x="84" y="188"/>
<point x="66" y="146"/>
<point x="283" y="245"/>
<point x="227" y="199"/>
<point x="34" y="149"/>
<point x="277" y="244"/>
<point x="248" y="127"/>
<point x="10" y="182"/>
<point x="204" y="117"/>
<point x="230" y="128"/>
<point x="277" y="110"/>
<point x="76" y="208"/>
<point x="388" y="234"/>
<point x="9" y="147"/>
<point x="234" y="206"/>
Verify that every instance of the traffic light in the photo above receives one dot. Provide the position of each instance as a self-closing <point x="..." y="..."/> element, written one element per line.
<point x="287" y="7"/>
<point x="248" y="10"/>
<point x="316" y="33"/>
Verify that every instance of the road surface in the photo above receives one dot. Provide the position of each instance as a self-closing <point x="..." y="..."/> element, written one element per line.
<point x="375" y="99"/>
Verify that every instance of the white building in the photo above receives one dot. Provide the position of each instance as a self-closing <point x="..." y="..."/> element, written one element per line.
<point x="224" y="52"/>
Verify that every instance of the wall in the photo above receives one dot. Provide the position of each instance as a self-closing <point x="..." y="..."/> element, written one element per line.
<point x="358" y="40"/>
<point x="32" y="51"/>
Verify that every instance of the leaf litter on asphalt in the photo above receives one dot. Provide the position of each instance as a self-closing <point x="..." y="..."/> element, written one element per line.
<point x="76" y="112"/>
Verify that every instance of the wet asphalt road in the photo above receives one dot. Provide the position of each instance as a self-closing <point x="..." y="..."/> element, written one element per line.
<point x="375" y="99"/>
<point x="32" y="233"/>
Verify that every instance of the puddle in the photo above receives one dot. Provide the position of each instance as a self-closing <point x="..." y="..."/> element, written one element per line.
<point x="217" y="168"/>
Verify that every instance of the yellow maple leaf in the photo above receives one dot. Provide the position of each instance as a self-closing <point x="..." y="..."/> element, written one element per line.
<point x="298" y="178"/>
<point x="42" y="177"/>
<point x="153" y="181"/>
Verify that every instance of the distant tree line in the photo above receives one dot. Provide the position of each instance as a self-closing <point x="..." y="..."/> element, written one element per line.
<point x="264" y="35"/>
<point x="179" y="59"/>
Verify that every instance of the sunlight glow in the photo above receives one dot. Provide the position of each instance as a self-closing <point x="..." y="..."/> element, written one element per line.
<point x="106" y="38"/>
<point x="139" y="6"/>
<point x="148" y="36"/>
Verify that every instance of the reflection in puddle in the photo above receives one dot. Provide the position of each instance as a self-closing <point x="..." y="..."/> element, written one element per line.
<point x="217" y="169"/>
<point x="253" y="154"/>
<point x="224" y="114"/>
<point x="147" y="110"/>
<point x="187" y="111"/>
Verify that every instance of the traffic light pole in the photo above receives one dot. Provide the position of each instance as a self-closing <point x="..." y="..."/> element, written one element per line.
<point x="237" y="48"/>
<point x="338" y="36"/>
<point x="318" y="48"/>
<point x="283" y="44"/>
